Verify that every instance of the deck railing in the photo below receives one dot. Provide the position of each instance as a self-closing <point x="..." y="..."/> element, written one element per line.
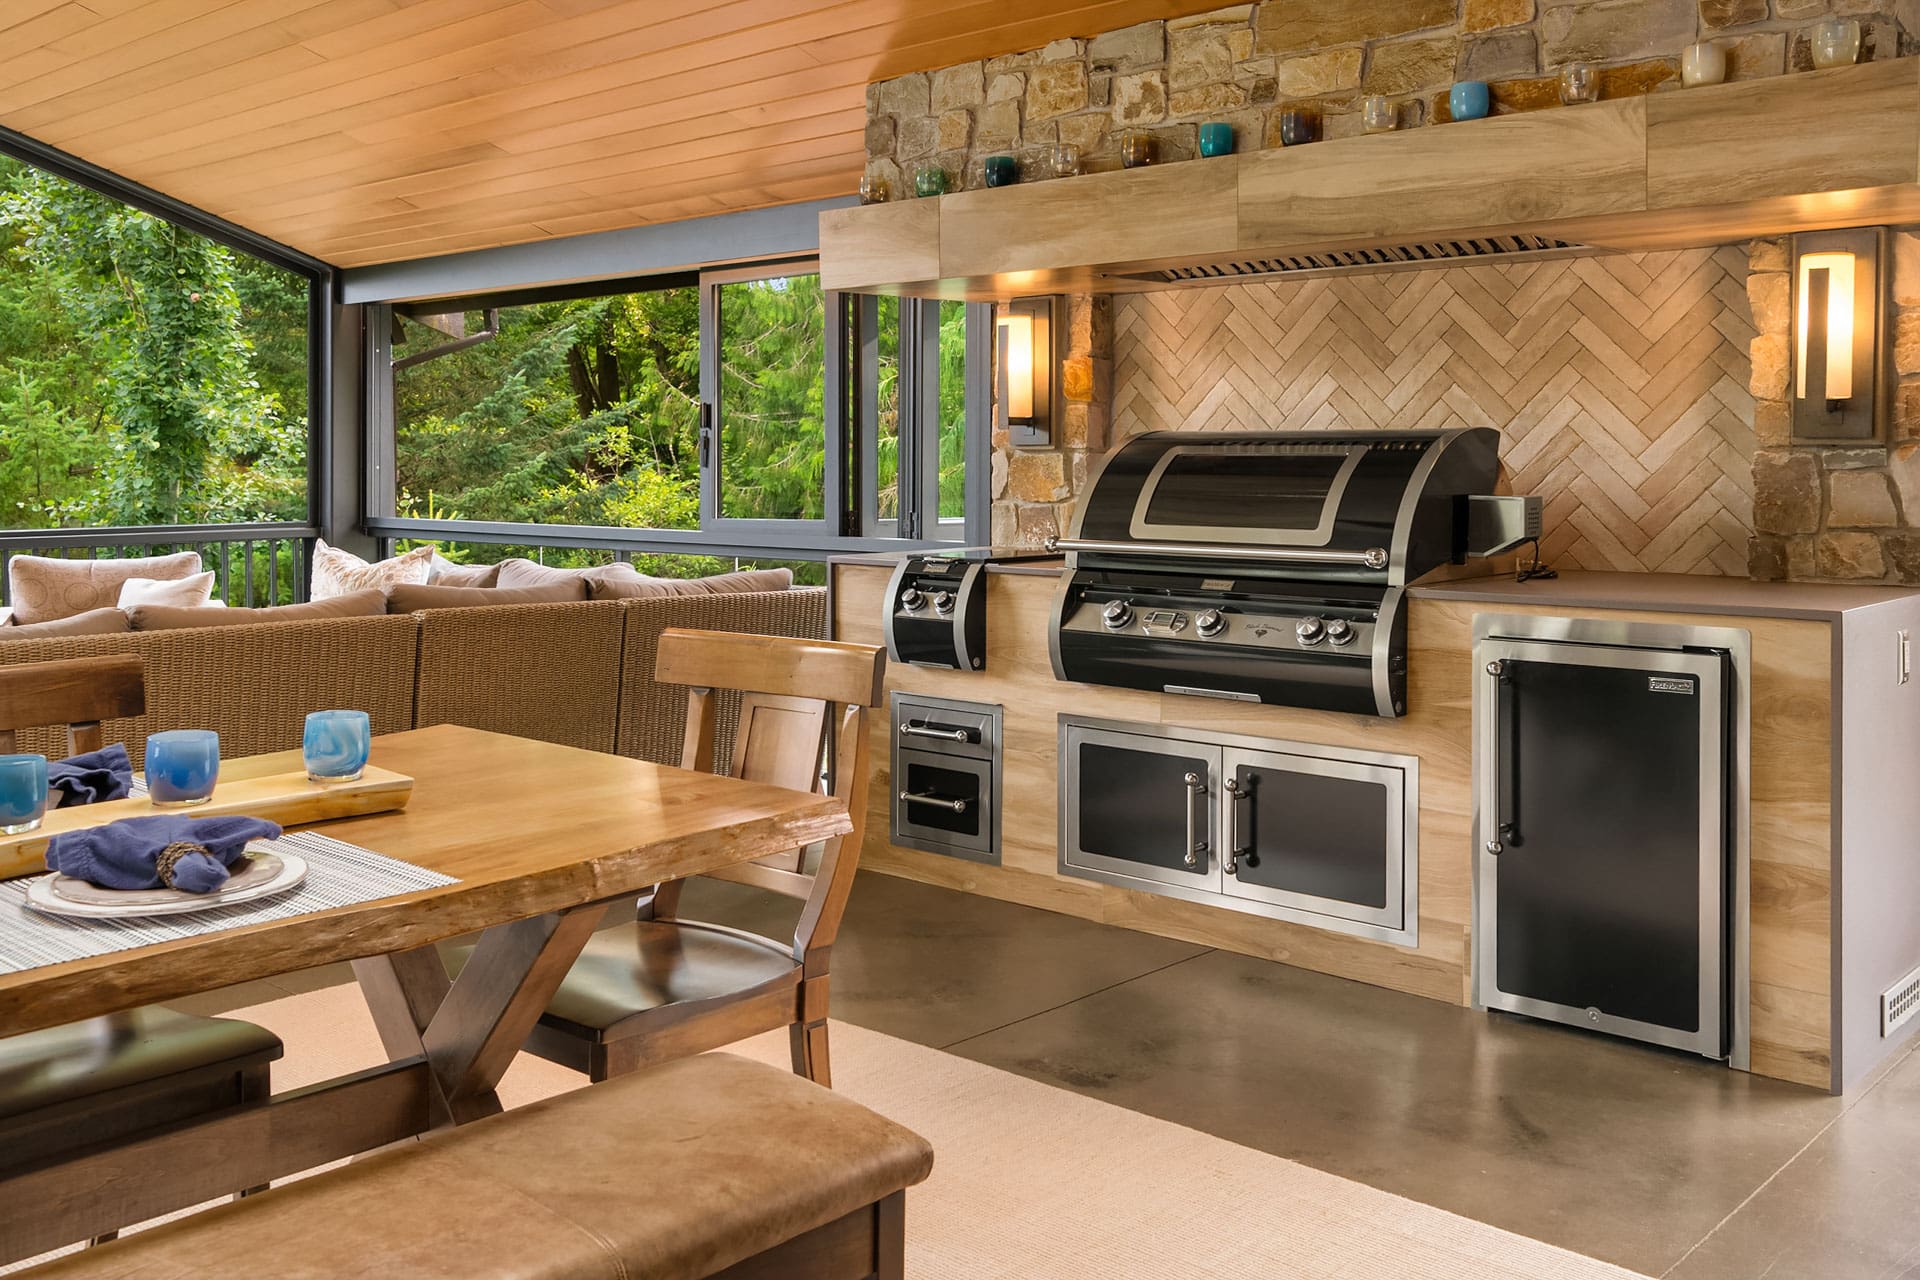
<point x="254" y="564"/>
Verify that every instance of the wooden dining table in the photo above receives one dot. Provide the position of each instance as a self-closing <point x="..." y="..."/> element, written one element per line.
<point x="540" y="839"/>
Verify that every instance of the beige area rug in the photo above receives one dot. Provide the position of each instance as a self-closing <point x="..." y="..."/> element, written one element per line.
<point x="1031" y="1182"/>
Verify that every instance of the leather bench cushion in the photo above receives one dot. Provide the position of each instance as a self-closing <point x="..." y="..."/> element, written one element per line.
<point x="83" y="1059"/>
<point x="355" y="604"/>
<point x="671" y="1174"/>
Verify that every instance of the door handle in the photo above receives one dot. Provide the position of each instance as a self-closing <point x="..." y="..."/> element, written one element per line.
<point x="1497" y="832"/>
<point x="938" y="802"/>
<point x="912" y="730"/>
<point x="1236" y="794"/>
<point x="1196" y="793"/>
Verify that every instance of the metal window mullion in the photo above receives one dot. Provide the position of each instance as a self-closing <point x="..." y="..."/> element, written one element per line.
<point x="839" y="472"/>
<point x="926" y="431"/>
<point x="379" y="474"/>
<point x="979" y="446"/>
<point x="866" y="311"/>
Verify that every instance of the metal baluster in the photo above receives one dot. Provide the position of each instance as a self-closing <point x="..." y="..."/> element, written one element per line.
<point x="273" y="571"/>
<point x="226" y="568"/>
<point x="249" y="555"/>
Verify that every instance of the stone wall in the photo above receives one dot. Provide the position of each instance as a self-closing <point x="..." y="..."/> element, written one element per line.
<point x="1245" y="63"/>
<point x="1824" y="511"/>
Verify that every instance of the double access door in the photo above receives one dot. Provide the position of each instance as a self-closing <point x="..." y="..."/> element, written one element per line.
<point x="1603" y="831"/>
<point x="1323" y="836"/>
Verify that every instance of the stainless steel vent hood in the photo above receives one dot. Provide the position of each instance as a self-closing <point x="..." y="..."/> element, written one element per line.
<point x="1395" y="257"/>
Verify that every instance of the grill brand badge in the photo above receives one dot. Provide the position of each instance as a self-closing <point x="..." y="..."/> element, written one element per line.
<point x="1670" y="684"/>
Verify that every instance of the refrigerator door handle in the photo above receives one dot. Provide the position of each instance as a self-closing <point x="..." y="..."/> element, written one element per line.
<point x="1496" y="831"/>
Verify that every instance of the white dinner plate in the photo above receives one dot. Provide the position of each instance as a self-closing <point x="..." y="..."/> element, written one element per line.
<point x="268" y="874"/>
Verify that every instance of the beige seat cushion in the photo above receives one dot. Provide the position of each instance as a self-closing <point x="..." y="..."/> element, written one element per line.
<point x="406" y="599"/>
<point x="719" y="584"/>
<point x="159" y="617"/>
<point x="43" y="588"/>
<point x="448" y="574"/>
<point x="525" y="573"/>
<point x="651" y="963"/>
<point x="191" y="592"/>
<point x="670" y="1174"/>
<point x="94" y="622"/>
<point x="337" y="572"/>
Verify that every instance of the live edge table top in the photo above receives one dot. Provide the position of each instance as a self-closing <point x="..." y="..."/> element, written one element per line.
<point x="526" y="828"/>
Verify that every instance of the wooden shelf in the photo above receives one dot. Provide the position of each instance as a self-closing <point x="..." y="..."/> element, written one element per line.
<point x="1692" y="167"/>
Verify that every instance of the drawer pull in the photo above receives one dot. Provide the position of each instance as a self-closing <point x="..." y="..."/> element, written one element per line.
<point x="939" y="802"/>
<point x="912" y="730"/>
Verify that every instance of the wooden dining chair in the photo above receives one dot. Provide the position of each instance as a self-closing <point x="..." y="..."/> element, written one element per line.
<point x="108" y="1078"/>
<point x="663" y="987"/>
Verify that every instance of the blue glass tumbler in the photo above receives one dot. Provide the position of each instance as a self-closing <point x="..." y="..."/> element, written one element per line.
<point x="336" y="745"/>
<point x="1470" y="100"/>
<point x="182" y="766"/>
<point x="23" y="793"/>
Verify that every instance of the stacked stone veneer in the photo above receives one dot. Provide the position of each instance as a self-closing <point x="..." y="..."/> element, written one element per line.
<point x="1245" y="63"/>
<point x="1846" y="513"/>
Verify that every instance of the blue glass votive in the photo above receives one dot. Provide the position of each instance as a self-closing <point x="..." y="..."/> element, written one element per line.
<point x="1469" y="100"/>
<point x="1002" y="171"/>
<point x="182" y="766"/>
<point x="1216" y="138"/>
<point x="336" y="745"/>
<point x="23" y="793"/>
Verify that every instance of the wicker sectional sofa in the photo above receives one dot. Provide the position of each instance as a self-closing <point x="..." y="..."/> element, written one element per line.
<point x="578" y="673"/>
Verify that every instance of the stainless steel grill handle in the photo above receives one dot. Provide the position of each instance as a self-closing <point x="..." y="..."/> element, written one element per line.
<point x="1196" y="793"/>
<point x="1370" y="558"/>
<point x="911" y="730"/>
<point x="1235" y="845"/>
<point x="938" y="802"/>
<point x="1493" y="830"/>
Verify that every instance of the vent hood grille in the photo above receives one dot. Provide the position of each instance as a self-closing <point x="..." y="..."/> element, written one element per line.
<point x="1396" y="257"/>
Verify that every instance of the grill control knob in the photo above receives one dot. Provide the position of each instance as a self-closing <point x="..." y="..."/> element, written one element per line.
<point x="1208" y="622"/>
<point x="1339" y="631"/>
<point x="943" y="601"/>
<point x="1310" y="630"/>
<point x="1117" y="614"/>
<point x="911" y="599"/>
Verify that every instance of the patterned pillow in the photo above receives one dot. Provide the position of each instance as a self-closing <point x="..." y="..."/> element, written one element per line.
<point x="337" y="572"/>
<point x="44" y="589"/>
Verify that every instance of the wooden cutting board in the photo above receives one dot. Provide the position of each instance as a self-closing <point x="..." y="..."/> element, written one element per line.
<point x="286" y="798"/>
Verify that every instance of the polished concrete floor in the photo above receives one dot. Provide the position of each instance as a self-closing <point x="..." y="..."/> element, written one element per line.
<point x="1659" y="1162"/>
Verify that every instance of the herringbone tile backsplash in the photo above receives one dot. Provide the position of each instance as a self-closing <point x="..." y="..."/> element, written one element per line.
<point x="1620" y="384"/>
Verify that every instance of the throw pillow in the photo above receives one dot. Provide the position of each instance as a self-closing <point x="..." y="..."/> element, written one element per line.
<point x="355" y="604"/>
<point x="336" y="572"/>
<point x="719" y="585"/>
<point x="525" y="573"/>
<point x="408" y="598"/>
<point x="448" y="574"/>
<point x="185" y="593"/>
<point x="43" y="588"/>
<point x="94" y="622"/>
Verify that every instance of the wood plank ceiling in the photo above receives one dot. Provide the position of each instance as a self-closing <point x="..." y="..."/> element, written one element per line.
<point x="367" y="131"/>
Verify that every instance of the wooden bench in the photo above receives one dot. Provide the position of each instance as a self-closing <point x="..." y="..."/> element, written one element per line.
<point x="712" y="1166"/>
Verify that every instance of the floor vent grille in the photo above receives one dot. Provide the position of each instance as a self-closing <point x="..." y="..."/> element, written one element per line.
<point x="1899" y="1003"/>
<point x="1396" y="257"/>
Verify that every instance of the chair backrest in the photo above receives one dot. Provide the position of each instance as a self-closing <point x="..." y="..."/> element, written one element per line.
<point x="76" y="692"/>
<point x="796" y="696"/>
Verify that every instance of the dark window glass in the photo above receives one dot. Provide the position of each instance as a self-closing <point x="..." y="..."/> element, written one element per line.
<point x="1269" y="491"/>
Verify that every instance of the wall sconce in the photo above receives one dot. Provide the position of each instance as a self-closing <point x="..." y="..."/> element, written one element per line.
<point x="1027" y="370"/>
<point x="1839" y="325"/>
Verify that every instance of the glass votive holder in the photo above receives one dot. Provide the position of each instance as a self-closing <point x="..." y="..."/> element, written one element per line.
<point x="874" y="189"/>
<point x="929" y="180"/>
<point x="182" y="766"/>
<point x="1836" y="43"/>
<point x="1702" y="64"/>
<point x="1137" y="149"/>
<point x="23" y="792"/>
<point x="1065" y="160"/>
<point x="1579" y="82"/>
<point x="1379" y="114"/>
<point x="1216" y="138"/>
<point x="336" y="745"/>
<point x="1470" y="100"/>
<point x="1001" y="171"/>
<point x="1298" y="126"/>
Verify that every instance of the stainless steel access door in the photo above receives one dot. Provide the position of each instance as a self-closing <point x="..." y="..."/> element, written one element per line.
<point x="1602" y="820"/>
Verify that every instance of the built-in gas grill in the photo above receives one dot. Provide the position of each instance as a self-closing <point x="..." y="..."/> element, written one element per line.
<point x="1271" y="566"/>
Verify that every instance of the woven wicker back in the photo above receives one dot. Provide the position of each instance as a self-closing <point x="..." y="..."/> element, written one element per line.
<point x="253" y="684"/>
<point x="545" y="671"/>
<point x="653" y="716"/>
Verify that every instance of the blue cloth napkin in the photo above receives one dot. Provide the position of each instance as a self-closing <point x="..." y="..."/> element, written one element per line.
<point x="106" y="774"/>
<point x="120" y="855"/>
